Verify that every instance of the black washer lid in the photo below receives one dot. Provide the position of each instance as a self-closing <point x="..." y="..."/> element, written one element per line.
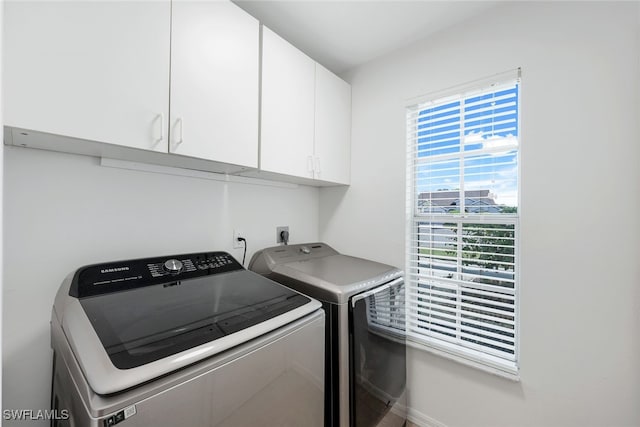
<point x="148" y="323"/>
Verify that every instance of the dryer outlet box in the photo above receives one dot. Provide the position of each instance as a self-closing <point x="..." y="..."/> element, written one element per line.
<point x="279" y="231"/>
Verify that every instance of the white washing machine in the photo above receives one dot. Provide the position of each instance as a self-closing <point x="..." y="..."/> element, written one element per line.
<point x="185" y="340"/>
<point x="365" y="371"/>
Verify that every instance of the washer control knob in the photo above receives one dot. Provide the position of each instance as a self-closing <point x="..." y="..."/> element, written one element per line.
<point x="173" y="266"/>
<point x="305" y="250"/>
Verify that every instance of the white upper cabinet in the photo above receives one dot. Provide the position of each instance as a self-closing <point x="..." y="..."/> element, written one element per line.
<point x="214" y="82"/>
<point x="180" y="83"/>
<point x="288" y="86"/>
<point x="90" y="70"/>
<point x="332" y="144"/>
<point x="306" y="116"/>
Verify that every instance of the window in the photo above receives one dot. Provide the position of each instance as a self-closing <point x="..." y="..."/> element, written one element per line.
<point x="462" y="228"/>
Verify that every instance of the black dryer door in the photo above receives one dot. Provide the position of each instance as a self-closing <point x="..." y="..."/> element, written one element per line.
<point x="378" y="356"/>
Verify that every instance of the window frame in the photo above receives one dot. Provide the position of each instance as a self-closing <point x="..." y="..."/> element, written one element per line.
<point x="459" y="353"/>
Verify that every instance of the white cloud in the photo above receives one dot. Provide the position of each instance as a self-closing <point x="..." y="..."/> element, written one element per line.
<point x="495" y="144"/>
<point x="500" y="145"/>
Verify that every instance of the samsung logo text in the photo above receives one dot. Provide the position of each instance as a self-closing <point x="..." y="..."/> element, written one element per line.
<point x="114" y="270"/>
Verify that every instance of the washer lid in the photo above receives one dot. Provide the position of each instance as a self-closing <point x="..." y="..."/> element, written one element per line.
<point x="335" y="278"/>
<point x="145" y="324"/>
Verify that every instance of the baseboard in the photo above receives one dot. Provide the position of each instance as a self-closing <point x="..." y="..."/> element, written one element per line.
<point x="420" y="419"/>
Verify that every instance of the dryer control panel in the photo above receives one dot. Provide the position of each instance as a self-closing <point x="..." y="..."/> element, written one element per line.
<point x="99" y="279"/>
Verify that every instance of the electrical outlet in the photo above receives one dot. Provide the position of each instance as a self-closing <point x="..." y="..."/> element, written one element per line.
<point x="236" y="243"/>
<point x="279" y="230"/>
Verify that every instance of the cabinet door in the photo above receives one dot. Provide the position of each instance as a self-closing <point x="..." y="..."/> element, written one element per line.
<point x="214" y="82"/>
<point x="286" y="143"/>
<point x="94" y="70"/>
<point x="332" y="127"/>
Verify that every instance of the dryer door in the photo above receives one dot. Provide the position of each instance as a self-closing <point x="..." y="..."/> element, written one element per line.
<point x="378" y="356"/>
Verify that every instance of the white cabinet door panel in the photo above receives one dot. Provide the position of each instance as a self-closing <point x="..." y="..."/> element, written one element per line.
<point x="214" y="82"/>
<point x="92" y="70"/>
<point x="287" y="107"/>
<point x="332" y="127"/>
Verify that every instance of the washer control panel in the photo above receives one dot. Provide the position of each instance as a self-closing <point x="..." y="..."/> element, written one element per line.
<point x="171" y="267"/>
<point x="98" y="279"/>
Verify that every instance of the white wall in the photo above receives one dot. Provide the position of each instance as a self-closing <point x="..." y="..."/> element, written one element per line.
<point x="580" y="228"/>
<point x="1" y="187"/>
<point x="63" y="211"/>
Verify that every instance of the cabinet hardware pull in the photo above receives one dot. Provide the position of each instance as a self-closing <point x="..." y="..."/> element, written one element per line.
<point x="310" y="165"/>
<point x="316" y="166"/>
<point x="161" y="115"/>
<point x="181" y="139"/>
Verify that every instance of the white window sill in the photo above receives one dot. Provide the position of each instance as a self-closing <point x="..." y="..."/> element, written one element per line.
<point x="487" y="363"/>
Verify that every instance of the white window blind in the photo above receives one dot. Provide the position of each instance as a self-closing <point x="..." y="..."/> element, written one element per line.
<point x="462" y="228"/>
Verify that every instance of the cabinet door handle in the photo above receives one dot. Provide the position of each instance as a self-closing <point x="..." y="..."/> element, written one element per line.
<point x="161" y="116"/>
<point x="316" y="166"/>
<point x="310" y="165"/>
<point x="181" y="134"/>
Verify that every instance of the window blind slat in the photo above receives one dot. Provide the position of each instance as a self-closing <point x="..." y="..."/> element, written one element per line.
<point x="492" y="124"/>
<point x="428" y="332"/>
<point x="509" y="106"/>
<point x="427" y="336"/>
<point x="505" y="279"/>
<point x="453" y="306"/>
<point x="504" y="348"/>
<point x="469" y="105"/>
<point x="423" y="276"/>
<point x="455" y="285"/>
<point x="499" y="339"/>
